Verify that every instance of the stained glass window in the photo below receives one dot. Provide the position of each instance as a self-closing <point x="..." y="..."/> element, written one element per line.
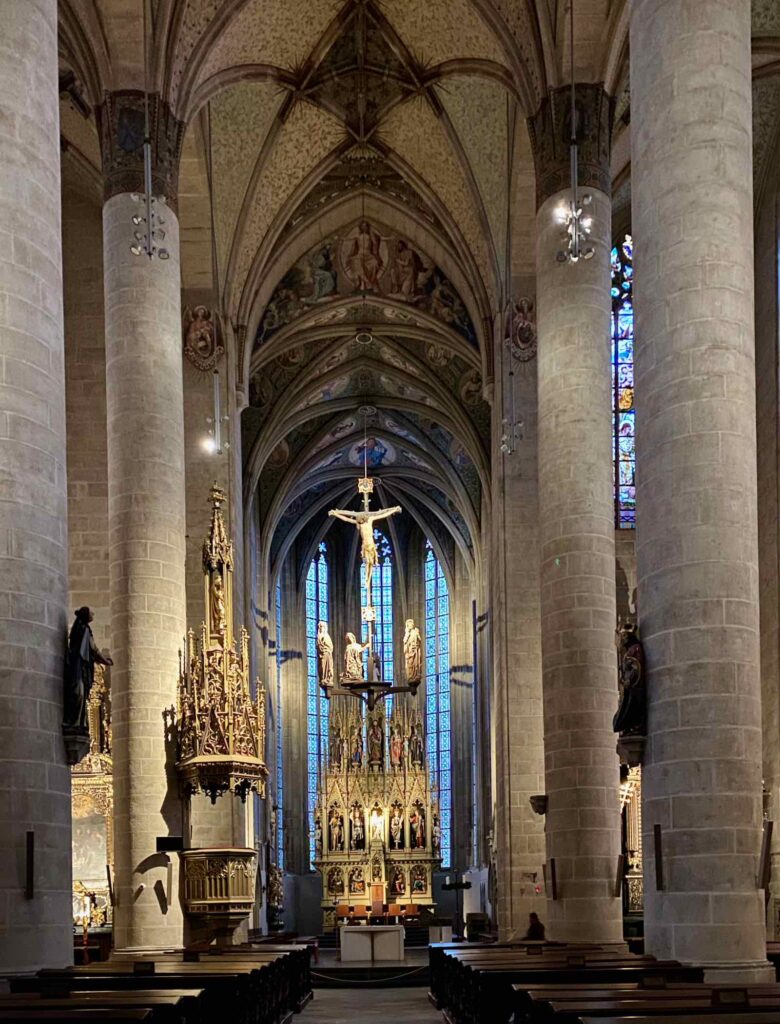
<point x="437" y="693"/>
<point x="279" y="773"/>
<point x="382" y="593"/>
<point x="317" y="706"/>
<point x="623" y="429"/>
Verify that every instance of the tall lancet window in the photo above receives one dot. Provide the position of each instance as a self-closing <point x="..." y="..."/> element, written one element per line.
<point x="317" y="706"/>
<point x="437" y="692"/>
<point x="382" y="593"/>
<point x="623" y="432"/>
<point x="279" y="771"/>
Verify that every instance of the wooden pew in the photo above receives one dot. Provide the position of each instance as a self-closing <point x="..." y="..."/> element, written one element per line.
<point x="80" y="1016"/>
<point x="538" y="1002"/>
<point x="166" y="1006"/>
<point x="477" y="984"/>
<point x="231" y="991"/>
<point x="760" y="1017"/>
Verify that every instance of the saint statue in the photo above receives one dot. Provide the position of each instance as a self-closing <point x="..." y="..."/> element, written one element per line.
<point x="417" y="827"/>
<point x="80" y="669"/>
<point x="358" y="840"/>
<point x="412" y="652"/>
<point x="377" y="825"/>
<point x="217" y="604"/>
<point x="436" y="836"/>
<point x="336" y="829"/>
<point x="396" y="748"/>
<point x="317" y="836"/>
<point x="398" y="884"/>
<point x="365" y="523"/>
<point x="353" y="657"/>
<point x="324" y="656"/>
<point x="630" y="717"/>
<point x="416" y="752"/>
<point x="356" y="754"/>
<point x="375" y="742"/>
<point x="396" y="828"/>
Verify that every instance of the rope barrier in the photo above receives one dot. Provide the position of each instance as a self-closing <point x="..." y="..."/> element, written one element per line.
<point x="369" y="981"/>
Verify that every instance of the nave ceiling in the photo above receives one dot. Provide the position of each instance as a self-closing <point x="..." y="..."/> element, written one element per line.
<point x="308" y="118"/>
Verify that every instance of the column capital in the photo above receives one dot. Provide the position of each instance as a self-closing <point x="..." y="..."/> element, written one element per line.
<point x="550" y="131"/>
<point x="121" y="123"/>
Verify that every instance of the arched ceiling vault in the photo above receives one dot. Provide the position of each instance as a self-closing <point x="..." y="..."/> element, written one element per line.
<point x="362" y="166"/>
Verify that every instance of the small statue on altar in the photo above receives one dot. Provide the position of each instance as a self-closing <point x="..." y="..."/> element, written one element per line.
<point x="417" y="826"/>
<point x="336" y="882"/>
<point x="396" y="828"/>
<point x="318" y="836"/>
<point x="358" y="839"/>
<point x="630" y="718"/>
<point x="324" y="656"/>
<point x="396" y="748"/>
<point x="377" y="824"/>
<point x="356" y="755"/>
<point x="412" y="652"/>
<point x="436" y="836"/>
<point x="376" y="743"/>
<point x="398" y="883"/>
<point x="82" y="656"/>
<point x="353" y="658"/>
<point x="357" y="881"/>
<point x="336" y="829"/>
<point x="337" y="749"/>
<point x="419" y="879"/>
<point x="374" y="668"/>
<point x="416" y="751"/>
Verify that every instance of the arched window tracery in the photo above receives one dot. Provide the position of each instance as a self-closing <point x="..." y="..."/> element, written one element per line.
<point x="437" y="692"/>
<point x="317" y="610"/>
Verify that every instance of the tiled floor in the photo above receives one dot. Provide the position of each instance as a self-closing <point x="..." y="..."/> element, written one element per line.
<point x="366" y="1006"/>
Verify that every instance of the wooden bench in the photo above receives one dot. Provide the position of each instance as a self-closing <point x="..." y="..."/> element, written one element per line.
<point x="166" y="1006"/>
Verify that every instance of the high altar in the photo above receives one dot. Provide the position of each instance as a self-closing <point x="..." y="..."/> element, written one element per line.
<point x="377" y="833"/>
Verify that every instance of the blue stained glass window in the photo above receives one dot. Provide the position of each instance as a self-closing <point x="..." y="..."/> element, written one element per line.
<point x="317" y="706"/>
<point x="623" y="433"/>
<point x="437" y="685"/>
<point x="279" y="773"/>
<point x="382" y="594"/>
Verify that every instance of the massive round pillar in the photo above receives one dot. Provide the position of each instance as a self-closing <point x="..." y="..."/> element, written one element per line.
<point x="35" y="901"/>
<point x="146" y="500"/>
<point x="576" y="528"/>
<point x="696" y="478"/>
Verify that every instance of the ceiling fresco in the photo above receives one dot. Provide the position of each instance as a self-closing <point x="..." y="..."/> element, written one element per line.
<point x="365" y="259"/>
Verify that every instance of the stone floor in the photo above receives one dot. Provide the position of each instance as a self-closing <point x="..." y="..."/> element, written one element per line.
<point x="365" y="1006"/>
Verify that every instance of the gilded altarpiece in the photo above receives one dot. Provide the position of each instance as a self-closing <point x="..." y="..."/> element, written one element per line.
<point x="92" y="802"/>
<point x="377" y="831"/>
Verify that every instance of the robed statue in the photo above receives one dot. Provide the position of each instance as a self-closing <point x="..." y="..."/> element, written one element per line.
<point x="412" y="652"/>
<point x="630" y="718"/>
<point x="324" y="655"/>
<point x="353" y="657"/>
<point x="80" y="669"/>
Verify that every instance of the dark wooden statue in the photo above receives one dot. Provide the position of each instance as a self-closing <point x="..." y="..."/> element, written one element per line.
<point x="630" y="718"/>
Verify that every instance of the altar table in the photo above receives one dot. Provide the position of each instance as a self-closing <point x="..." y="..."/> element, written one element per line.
<point x="372" y="942"/>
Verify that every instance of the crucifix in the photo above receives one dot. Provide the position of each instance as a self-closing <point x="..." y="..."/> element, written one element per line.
<point x="364" y="519"/>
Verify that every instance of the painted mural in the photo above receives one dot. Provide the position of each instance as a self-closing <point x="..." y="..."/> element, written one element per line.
<point x="366" y="260"/>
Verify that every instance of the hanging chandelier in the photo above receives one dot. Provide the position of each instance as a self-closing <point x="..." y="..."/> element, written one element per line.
<point x="572" y="214"/>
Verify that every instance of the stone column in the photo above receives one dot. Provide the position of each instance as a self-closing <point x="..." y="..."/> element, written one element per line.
<point x="146" y="502"/>
<point x="516" y="705"/>
<point x="576" y="531"/>
<point x="34" y="778"/>
<point x="696" y="534"/>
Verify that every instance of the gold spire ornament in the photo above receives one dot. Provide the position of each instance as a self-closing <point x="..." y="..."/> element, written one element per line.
<point x="220" y="726"/>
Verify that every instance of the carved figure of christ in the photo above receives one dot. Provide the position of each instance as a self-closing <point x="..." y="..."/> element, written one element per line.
<point x="364" y="521"/>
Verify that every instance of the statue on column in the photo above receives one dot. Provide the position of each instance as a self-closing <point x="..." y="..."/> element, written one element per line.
<point x="416" y="751"/>
<point x="218" y="619"/>
<point x="630" y="718"/>
<point x="412" y="652"/>
<point x="324" y="656"/>
<point x="81" y="659"/>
